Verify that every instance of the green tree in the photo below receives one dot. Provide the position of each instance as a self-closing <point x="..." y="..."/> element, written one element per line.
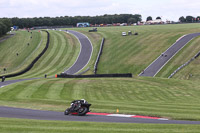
<point x="198" y="18"/>
<point x="132" y="20"/>
<point x="149" y="18"/>
<point x="182" y="19"/>
<point x="158" y="18"/>
<point x="189" y="19"/>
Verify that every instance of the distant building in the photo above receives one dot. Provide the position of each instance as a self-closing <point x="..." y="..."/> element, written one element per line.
<point x="15" y="28"/>
<point x="157" y="21"/>
<point x="83" y="24"/>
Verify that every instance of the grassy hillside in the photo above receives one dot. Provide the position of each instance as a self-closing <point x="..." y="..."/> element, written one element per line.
<point x="188" y="52"/>
<point x="191" y="72"/>
<point x="24" y="126"/>
<point x="145" y="96"/>
<point x="19" y="45"/>
<point x="130" y="54"/>
<point x="61" y="54"/>
<point x="134" y="53"/>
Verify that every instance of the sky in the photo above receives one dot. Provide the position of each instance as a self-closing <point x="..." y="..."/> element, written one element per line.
<point x="166" y="9"/>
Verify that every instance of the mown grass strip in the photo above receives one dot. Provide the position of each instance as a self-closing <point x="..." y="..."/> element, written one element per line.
<point x="141" y="96"/>
<point x="132" y="54"/>
<point x="23" y="126"/>
<point x="62" y="52"/>
<point x="18" y="48"/>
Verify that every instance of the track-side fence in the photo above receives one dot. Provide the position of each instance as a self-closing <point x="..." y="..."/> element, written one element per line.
<point x="128" y="75"/>
<point x="187" y="63"/>
<point x="99" y="55"/>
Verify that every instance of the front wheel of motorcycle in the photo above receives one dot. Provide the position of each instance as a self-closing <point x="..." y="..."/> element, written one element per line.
<point x="82" y="111"/>
<point x="66" y="112"/>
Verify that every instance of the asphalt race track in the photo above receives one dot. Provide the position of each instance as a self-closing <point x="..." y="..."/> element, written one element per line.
<point x="165" y="57"/>
<point x="9" y="112"/>
<point x="84" y="55"/>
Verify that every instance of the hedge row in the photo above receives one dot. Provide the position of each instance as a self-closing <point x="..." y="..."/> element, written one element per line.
<point x="128" y="75"/>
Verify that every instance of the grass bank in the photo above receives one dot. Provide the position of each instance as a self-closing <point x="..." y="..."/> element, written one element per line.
<point x="132" y="54"/>
<point x="36" y="126"/>
<point x="17" y="52"/>
<point x="61" y="54"/>
<point x="173" y="99"/>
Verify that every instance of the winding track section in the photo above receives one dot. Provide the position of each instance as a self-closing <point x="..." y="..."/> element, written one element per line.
<point x="85" y="54"/>
<point x="165" y="57"/>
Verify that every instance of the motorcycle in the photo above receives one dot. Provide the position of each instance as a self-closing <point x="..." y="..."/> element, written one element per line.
<point x="78" y="107"/>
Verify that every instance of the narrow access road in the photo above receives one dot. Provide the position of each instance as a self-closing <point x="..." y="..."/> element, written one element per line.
<point x="7" y="37"/>
<point x="5" y="83"/>
<point x="165" y="57"/>
<point x="9" y="112"/>
<point x="85" y="54"/>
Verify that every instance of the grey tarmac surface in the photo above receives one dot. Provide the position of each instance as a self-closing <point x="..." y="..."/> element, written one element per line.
<point x="84" y="55"/>
<point x="165" y="57"/>
<point x="5" y="83"/>
<point x="10" y="112"/>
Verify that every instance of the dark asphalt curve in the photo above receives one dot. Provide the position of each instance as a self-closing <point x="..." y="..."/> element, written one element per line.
<point x="165" y="57"/>
<point x="85" y="54"/>
<point x="5" y="83"/>
<point x="10" y="112"/>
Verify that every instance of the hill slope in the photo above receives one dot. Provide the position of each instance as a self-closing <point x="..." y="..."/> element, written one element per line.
<point x="144" y="96"/>
<point x="16" y="51"/>
<point x="135" y="53"/>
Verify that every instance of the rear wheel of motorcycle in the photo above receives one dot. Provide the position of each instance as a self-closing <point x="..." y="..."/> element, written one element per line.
<point x="66" y="112"/>
<point x="82" y="111"/>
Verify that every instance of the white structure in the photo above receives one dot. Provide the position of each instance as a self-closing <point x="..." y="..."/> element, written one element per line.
<point x="157" y="21"/>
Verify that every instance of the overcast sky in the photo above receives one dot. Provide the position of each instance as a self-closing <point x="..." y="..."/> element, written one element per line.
<point x="167" y="9"/>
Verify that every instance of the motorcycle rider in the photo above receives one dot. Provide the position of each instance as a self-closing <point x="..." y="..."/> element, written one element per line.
<point x="75" y="105"/>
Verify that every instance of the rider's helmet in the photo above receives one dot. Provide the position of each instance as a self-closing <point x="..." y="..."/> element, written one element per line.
<point x="83" y="100"/>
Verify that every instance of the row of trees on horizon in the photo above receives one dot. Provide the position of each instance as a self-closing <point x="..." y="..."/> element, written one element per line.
<point x="66" y="20"/>
<point x="6" y="23"/>
<point x="187" y="19"/>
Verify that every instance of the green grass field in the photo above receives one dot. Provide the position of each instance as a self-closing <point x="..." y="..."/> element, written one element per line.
<point x="19" y="44"/>
<point x="35" y="126"/>
<point x="188" y="52"/>
<point x="132" y="54"/>
<point x="191" y="72"/>
<point x="61" y="54"/>
<point x="173" y="99"/>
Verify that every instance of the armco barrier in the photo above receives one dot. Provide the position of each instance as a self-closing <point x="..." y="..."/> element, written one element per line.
<point x="98" y="57"/>
<point x="128" y="75"/>
<point x="32" y="63"/>
<point x="187" y="63"/>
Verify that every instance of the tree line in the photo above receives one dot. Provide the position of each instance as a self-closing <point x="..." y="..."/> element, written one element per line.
<point x="189" y="19"/>
<point x="5" y="25"/>
<point x="66" y="20"/>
